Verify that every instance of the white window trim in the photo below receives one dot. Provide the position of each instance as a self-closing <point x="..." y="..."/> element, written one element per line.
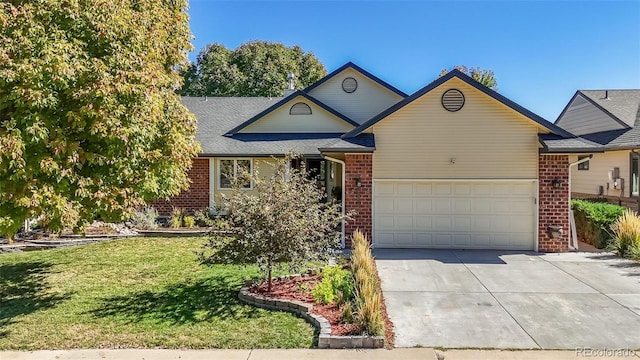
<point x="235" y="170"/>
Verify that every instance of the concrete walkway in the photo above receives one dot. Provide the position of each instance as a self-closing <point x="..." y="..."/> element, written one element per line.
<point x="511" y="300"/>
<point x="300" y="354"/>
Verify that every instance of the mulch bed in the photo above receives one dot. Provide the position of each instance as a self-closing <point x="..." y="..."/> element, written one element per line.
<point x="299" y="288"/>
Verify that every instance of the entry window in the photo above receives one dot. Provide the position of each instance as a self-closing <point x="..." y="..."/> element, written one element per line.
<point x="584" y="165"/>
<point x="229" y="169"/>
<point x="635" y="172"/>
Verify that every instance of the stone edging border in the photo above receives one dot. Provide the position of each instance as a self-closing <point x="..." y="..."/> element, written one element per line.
<point x="325" y="339"/>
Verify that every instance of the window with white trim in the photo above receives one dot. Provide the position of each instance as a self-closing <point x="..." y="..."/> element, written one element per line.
<point x="229" y="169"/>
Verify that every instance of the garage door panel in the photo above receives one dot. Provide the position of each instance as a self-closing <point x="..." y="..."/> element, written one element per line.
<point x="462" y="189"/>
<point x="385" y="206"/>
<point x="404" y="189"/>
<point x="423" y="189"/>
<point x="385" y="222"/>
<point x="442" y="206"/>
<point x="404" y="222"/>
<point x="423" y="205"/>
<point x="404" y="205"/>
<point x="442" y="189"/>
<point x="471" y="215"/>
<point x="462" y="206"/>
<point x="423" y="222"/>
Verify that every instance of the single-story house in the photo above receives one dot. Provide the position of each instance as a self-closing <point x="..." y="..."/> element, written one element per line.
<point x="606" y="123"/>
<point x="454" y="165"/>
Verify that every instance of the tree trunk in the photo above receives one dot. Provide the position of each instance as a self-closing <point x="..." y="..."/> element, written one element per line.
<point x="10" y="239"/>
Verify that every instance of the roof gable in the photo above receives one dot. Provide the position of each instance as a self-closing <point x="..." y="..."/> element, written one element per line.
<point x="458" y="74"/>
<point x="582" y="115"/>
<point x="361" y="71"/>
<point x="621" y="105"/>
<point x="322" y="118"/>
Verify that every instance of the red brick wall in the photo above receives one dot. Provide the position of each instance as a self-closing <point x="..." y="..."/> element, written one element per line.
<point x="358" y="198"/>
<point x="196" y="197"/>
<point x="554" y="202"/>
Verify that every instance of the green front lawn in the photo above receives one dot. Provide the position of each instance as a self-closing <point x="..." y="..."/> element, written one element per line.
<point x="134" y="293"/>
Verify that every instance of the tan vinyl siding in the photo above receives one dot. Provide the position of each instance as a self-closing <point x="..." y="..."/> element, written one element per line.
<point x="262" y="165"/>
<point x="487" y="139"/>
<point x="582" y="117"/>
<point x="369" y="99"/>
<point x="587" y="181"/>
<point x="279" y="121"/>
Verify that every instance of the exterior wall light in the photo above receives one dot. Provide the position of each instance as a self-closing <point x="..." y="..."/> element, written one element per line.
<point x="358" y="182"/>
<point x="555" y="183"/>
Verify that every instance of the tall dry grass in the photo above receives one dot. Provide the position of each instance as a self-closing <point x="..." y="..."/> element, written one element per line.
<point x="626" y="231"/>
<point x="368" y="293"/>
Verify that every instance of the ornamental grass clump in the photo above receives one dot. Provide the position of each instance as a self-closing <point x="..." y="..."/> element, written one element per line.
<point x="368" y="292"/>
<point x="626" y="232"/>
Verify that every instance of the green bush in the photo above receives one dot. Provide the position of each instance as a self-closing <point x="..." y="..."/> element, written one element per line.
<point x="593" y="221"/>
<point x="336" y="286"/>
<point x="203" y="218"/>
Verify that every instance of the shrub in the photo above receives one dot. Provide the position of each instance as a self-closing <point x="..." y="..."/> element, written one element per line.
<point x="189" y="221"/>
<point x="177" y="214"/>
<point x="593" y="219"/>
<point x="627" y="234"/>
<point x="145" y="219"/>
<point x="203" y="218"/>
<point x="336" y="285"/>
<point x="367" y="285"/>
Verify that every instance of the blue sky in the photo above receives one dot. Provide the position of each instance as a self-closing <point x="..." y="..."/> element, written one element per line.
<point x="540" y="51"/>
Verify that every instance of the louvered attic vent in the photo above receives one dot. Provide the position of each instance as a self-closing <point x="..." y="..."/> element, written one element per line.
<point x="300" y="109"/>
<point x="453" y="100"/>
<point x="349" y="85"/>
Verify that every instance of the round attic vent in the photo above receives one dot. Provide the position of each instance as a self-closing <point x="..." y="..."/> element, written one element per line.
<point x="453" y="100"/>
<point x="349" y="85"/>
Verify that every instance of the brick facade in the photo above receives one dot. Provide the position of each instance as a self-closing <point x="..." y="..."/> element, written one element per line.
<point x="358" y="198"/>
<point x="554" y="201"/>
<point x="196" y="197"/>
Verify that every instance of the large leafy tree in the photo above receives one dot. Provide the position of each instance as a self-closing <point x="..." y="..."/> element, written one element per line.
<point x="483" y="76"/>
<point x="90" y="125"/>
<point x="286" y="221"/>
<point x="257" y="68"/>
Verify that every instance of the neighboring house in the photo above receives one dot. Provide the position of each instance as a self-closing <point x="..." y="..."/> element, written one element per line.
<point x="454" y="165"/>
<point x="608" y="125"/>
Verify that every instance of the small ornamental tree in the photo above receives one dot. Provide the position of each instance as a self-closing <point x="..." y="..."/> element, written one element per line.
<point x="285" y="221"/>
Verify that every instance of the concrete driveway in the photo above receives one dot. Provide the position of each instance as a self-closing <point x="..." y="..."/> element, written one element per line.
<point x="515" y="300"/>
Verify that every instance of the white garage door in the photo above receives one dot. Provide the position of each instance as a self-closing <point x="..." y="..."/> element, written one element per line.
<point x="461" y="214"/>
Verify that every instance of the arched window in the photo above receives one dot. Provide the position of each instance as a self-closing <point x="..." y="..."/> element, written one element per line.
<point x="300" y="109"/>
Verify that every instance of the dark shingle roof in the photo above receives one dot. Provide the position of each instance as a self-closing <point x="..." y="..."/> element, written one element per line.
<point x="623" y="105"/>
<point x="558" y="144"/>
<point x="217" y="115"/>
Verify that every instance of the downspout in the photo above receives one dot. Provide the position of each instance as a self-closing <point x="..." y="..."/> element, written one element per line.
<point x="344" y="175"/>
<point x="574" y="245"/>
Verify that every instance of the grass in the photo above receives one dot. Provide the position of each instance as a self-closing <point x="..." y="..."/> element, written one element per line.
<point x="135" y="293"/>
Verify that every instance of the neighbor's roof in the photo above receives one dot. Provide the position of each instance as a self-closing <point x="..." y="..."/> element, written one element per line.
<point x="456" y="73"/>
<point x="217" y="115"/>
<point x="622" y="105"/>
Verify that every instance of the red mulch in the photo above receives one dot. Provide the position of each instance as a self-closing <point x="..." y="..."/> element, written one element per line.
<point x="299" y="288"/>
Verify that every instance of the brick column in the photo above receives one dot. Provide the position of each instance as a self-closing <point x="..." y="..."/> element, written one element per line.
<point x="194" y="198"/>
<point x="358" y="198"/>
<point x="553" y="201"/>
